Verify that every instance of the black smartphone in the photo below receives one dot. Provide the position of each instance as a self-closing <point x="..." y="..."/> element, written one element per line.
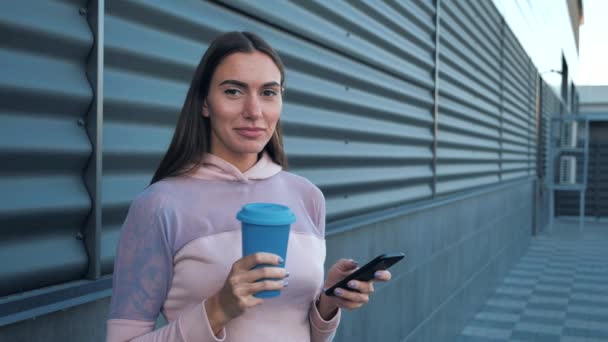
<point x="366" y="272"/>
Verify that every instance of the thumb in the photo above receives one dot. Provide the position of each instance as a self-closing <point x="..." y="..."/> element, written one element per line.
<point x="346" y="265"/>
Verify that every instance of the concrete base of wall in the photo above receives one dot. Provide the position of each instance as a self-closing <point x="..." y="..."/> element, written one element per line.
<point x="456" y="253"/>
<point x="82" y="323"/>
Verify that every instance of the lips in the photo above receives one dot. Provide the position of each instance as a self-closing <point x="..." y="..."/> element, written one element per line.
<point x="250" y="132"/>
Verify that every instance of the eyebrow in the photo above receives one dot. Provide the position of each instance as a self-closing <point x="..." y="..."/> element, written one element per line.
<point x="244" y="85"/>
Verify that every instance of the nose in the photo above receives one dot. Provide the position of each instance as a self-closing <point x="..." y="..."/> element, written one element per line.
<point x="253" y="107"/>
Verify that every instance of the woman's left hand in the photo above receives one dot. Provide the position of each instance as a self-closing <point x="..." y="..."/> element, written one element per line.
<point x="354" y="297"/>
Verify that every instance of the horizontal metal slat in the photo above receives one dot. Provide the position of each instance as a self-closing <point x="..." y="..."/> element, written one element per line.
<point x="449" y="139"/>
<point x="454" y="109"/>
<point x="119" y="190"/>
<point x="335" y="180"/>
<point x="447" y="155"/>
<point x="518" y="173"/>
<point x="458" y="184"/>
<point x="51" y="28"/>
<point x="37" y="195"/>
<point x="456" y="94"/>
<point x="130" y="147"/>
<point x="25" y="75"/>
<point x="48" y="257"/>
<point x="303" y="121"/>
<point x="36" y="144"/>
<point x="347" y="205"/>
<point x="328" y="152"/>
<point x="109" y="241"/>
<point x="465" y="170"/>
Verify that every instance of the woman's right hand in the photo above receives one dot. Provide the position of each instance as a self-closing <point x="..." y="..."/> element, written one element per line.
<point x="236" y="295"/>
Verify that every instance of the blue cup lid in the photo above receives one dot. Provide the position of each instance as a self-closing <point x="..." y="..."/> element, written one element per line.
<point x="266" y="214"/>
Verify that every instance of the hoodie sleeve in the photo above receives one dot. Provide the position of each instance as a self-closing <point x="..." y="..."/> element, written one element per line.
<point x="320" y="329"/>
<point x="143" y="271"/>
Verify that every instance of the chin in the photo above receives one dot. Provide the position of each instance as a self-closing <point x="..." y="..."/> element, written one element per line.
<point x="257" y="148"/>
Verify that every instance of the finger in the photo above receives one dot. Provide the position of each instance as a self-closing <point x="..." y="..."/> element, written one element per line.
<point x="250" y="261"/>
<point x="355" y="297"/>
<point x="382" y="276"/>
<point x="264" y="273"/>
<point x="266" y="285"/>
<point x="361" y="286"/>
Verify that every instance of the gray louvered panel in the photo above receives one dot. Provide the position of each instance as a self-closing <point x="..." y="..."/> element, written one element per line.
<point x="44" y="91"/>
<point x="518" y="131"/>
<point x="469" y="97"/>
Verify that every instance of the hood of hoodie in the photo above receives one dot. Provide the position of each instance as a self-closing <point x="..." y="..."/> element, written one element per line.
<point x="216" y="168"/>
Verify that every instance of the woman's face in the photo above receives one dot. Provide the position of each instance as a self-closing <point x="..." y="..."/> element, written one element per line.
<point x="244" y="104"/>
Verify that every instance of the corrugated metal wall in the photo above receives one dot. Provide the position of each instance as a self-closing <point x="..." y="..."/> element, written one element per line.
<point x="44" y="92"/>
<point x="360" y="114"/>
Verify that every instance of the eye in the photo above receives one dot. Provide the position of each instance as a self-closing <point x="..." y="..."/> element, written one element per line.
<point x="269" y="92"/>
<point x="232" y="92"/>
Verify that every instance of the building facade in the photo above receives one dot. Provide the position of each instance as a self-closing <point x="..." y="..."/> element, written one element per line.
<point x="422" y="123"/>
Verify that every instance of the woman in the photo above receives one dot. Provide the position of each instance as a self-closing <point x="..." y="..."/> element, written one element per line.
<point x="179" y="251"/>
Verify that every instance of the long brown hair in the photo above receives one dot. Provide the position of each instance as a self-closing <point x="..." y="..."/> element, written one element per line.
<point x="192" y="136"/>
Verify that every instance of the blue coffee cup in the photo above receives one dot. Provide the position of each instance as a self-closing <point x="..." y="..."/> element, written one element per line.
<point x="265" y="228"/>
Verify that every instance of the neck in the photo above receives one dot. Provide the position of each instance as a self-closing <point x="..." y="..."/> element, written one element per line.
<point x="241" y="162"/>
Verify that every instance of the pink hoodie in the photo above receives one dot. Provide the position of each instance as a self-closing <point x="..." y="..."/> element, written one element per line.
<point x="181" y="237"/>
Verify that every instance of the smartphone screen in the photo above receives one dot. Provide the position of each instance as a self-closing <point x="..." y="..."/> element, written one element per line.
<point x="367" y="271"/>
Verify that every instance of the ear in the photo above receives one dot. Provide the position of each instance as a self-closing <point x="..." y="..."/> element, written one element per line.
<point x="205" y="109"/>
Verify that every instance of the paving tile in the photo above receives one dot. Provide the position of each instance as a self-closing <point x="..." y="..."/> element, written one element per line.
<point x="558" y="291"/>
<point x="586" y="332"/>
<point x="472" y="330"/>
<point x="507" y="303"/>
<point x="582" y="324"/>
<point x="600" y="299"/>
<point x="590" y="310"/>
<point x="528" y="336"/>
<point x="590" y="287"/>
<point x="553" y="288"/>
<point x="580" y="339"/>
<point x="539" y="328"/>
<point x="514" y="291"/>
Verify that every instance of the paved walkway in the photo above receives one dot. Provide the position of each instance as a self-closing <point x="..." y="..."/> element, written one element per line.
<point x="558" y="291"/>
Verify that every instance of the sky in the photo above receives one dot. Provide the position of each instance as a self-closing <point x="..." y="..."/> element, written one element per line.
<point x="593" y="48"/>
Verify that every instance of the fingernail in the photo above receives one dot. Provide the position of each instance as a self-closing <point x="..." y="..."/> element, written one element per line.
<point x="286" y="274"/>
<point x="352" y="284"/>
<point x="378" y="274"/>
<point x="338" y="292"/>
<point x="354" y="262"/>
<point x="281" y="260"/>
<point x="285" y="283"/>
